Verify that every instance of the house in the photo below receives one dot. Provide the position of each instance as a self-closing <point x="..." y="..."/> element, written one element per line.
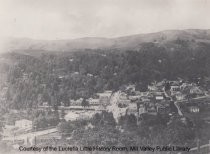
<point x="158" y="96"/>
<point x="93" y="101"/>
<point x="179" y="96"/>
<point x="156" y="86"/>
<point x="145" y="99"/>
<point x="45" y="104"/>
<point x="132" y="109"/>
<point x="23" y="124"/>
<point x="25" y="76"/>
<point x="193" y="89"/>
<point x="152" y="88"/>
<point x="77" y="102"/>
<point x="131" y="88"/>
<point x="123" y="99"/>
<point x="90" y="75"/>
<point x="142" y="109"/>
<point x="160" y="85"/>
<point x="104" y="98"/>
<point x="20" y="127"/>
<point x="174" y="87"/>
<point x="196" y="90"/>
<point x="151" y="108"/>
<point x="135" y="97"/>
<point x="162" y="108"/>
<point x="71" y="59"/>
<point x="194" y="109"/>
<point x="138" y="93"/>
<point x="8" y="130"/>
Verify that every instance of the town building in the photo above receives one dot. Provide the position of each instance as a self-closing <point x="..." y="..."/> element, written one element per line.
<point x="20" y="127"/>
<point x="123" y="99"/>
<point x="93" y="102"/>
<point x="130" y="88"/>
<point x="132" y="109"/>
<point x="23" y="124"/>
<point x="179" y="96"/>
<point x="8" y="131"/>
<point x="194" y="109"/>
<point x="77" y="102"/>
<point x="196" y="90"/>
<point x="142" y="109"/>
<point x="162" y="108"/>
<point x="104" y="98"/>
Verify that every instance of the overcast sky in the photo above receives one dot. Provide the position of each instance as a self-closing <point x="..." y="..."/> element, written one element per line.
<point x="62" y="19"/>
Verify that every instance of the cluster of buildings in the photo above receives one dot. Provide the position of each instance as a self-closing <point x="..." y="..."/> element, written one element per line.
<point x="160" y="98"/>
<point x="79" y="109"/>
<point x="98" y="102"/>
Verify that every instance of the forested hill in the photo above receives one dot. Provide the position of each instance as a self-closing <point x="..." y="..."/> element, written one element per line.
<point x="133" y="42"/>
<point x="35" y="74"/>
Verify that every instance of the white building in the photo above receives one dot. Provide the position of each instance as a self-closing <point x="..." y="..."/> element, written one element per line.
<point x="194" y="109"/>
<point x="93" y="101"/>
<point x="20" y="127"/>
<point x="23" y="124"/>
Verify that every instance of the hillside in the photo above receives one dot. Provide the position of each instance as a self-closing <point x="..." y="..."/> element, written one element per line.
<point x="133" y="42"/>
<point x="33" y="73"/>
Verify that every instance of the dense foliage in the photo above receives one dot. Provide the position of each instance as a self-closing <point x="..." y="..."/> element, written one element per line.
<point x="152" y="131"/>
<point x="56" y="77"/>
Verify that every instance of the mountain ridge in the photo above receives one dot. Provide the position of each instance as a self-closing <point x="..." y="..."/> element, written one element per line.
<point x="123" y="42"/>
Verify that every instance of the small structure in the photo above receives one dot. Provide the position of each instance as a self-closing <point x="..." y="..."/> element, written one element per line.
<point x="174" y="86"/>
<point x="151" y="108"/>
<point x="123" y="99"/>
<point x="196" y="90"/>
<point x="194" y="109"/>
<point x="162" y="108"/>
<point x="152" y="88"/>
<point x="104" y="98"/>
<point x="45" y="104"/>
<point x="142" y="109"/>
<point x="159" y="97"/>
<point x="179" y="96"/>
<point x="25" y="76"/>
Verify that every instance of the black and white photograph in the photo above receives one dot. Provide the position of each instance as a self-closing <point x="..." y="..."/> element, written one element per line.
<point x="104" y="76"/>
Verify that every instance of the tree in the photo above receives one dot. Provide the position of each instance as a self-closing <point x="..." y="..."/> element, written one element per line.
<point x="178" y="133"/>
<point x="105" y="118"/>
<point x="85" y="103"/>
<point x="65" y="128"/>
<point x="128" y="122"/>
<point x="102" y="135"/>
<point x="62" y="113"/>
<point x="52" y="119"/>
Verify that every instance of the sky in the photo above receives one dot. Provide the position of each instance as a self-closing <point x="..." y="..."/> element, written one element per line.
<point x="66" y="19"/>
